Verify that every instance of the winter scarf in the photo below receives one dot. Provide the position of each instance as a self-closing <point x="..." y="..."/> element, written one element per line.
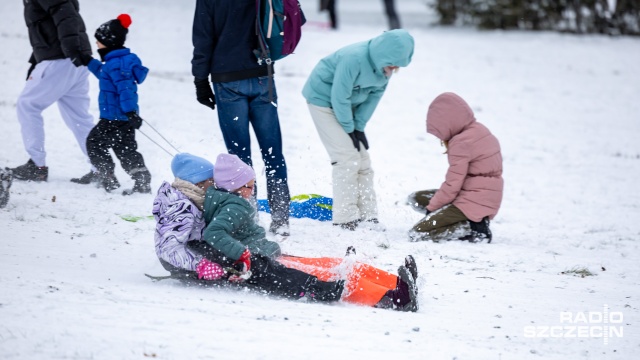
<point x="191" y="191"/>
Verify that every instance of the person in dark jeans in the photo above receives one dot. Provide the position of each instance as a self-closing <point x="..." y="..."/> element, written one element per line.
<point x="244" y="93"/>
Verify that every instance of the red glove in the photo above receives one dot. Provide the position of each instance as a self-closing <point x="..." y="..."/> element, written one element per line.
<point x="243" y="265"/>
<point x="244" y="260"/>
<point x="209" y="270"/>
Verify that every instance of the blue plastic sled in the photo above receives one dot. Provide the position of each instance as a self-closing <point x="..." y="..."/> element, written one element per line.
<point x="310" y="206"/>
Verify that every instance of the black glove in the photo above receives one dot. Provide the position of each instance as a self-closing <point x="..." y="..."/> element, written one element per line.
<point x="76" y="58"/>
<point x="358" y="137"/>
<point x="204" y="93"/>
<point x="362" y="138"/>
<point x="353" y="137"/>
<point x="135" y="121"/>
<point x="85" y="59"/>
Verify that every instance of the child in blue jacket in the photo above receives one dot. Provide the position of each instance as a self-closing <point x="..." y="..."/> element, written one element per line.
<point x="118" y="77"/>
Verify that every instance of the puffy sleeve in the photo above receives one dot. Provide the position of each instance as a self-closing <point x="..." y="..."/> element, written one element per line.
<point x="219" y="230"/>
<point x="459" y="157"/>
<point x="177" y="222"/>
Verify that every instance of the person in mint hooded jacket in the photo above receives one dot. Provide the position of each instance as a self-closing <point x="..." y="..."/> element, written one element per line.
<point x="342" y="93"/>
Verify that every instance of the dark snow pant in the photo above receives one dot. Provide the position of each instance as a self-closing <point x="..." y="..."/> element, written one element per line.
<point x="438" y="225"/>
<point x="271" y="277"/>
<point x="118" y="136"/>
<point x="390" y="10"/>
<point x="245" y="102"/>
<point x="330" y="6"/>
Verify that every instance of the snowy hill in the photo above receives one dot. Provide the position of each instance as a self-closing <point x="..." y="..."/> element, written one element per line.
<point x="565" y="109"/>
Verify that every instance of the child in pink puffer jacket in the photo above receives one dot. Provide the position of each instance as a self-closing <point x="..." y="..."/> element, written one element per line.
<point x="472" y="191"/>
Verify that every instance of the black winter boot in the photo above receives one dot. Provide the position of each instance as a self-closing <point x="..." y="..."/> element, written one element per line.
<point x="410" y="264"/>
<point x="479" y="231"/>
<point x="108" y="181"/>
<point x="31" y="172"/>
<point x="324" y="291"/>
<point x="279" y="201"/>
<point x="90" y="177"/>
<point x="405" y="296"/>
<point x="142" y="184"/>
<point x="6" y="177"/>
<point x="351" y="225"/>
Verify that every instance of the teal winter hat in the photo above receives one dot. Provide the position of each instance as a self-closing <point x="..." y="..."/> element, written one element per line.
<point x="191" y="168"/>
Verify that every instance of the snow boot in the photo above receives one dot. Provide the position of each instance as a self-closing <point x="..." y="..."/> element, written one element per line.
<point x="410" y="263"/>
<point x="404" y="297"/>
<point x="90" y="177"/>
<point x="350" y="251"/>
<point x="279" y="228"/>
<point x="31" y="172"/>
<point x="108" y="181"/>
<point x="324" y="291"/>
<point x="142" y="178"/>
<point x="407" y="291"/>
<point x="351" y="225"/>
<point x="372" y="224"/>
<point x="6" y="177"/>
<point x="479" y="231"/>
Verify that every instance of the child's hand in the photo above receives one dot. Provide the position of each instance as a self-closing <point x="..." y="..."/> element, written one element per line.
<point x="135" y="121"/>
<point x="209" y="270"/>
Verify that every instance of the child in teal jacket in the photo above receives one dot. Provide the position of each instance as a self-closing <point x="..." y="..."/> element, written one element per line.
<point x="343" y="91"/>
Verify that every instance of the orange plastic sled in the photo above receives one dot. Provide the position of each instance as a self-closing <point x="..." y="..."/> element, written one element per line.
<point x="365" y="285"/>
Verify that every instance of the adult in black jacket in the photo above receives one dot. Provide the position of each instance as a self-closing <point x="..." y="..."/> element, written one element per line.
<point x="60" y="46"/>
<point x="224" y="38"/>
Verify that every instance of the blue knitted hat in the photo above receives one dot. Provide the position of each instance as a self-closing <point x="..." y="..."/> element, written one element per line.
<point x="191" y="168"/>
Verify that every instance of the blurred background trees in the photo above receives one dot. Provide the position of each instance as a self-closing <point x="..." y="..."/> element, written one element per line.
<point x="612" y="17"/>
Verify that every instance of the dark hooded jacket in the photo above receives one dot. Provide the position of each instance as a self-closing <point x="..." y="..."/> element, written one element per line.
<point x="56" y="30"/>
<point x="224" y="37"/>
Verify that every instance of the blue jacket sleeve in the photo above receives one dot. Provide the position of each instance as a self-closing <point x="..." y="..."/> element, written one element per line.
<point x="365" y="110"/>
<point x="203" y="38"/>
<point x="95" y="66"/>
<point x="344" y="78"/>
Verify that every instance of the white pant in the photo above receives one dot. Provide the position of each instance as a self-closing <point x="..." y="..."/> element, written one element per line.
<point x="353" y="195"/>
<point x="54" y="81"/>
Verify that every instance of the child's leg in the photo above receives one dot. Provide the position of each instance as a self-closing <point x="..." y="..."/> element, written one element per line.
<point x="274" y="278"/>
<point x="322" y="268"/>
<point x="366" y="285"/>
<point x="126" y="149"/>
<point x="441" y="224"/>
<point x="420" y="199"/>
<point x="99" y="140"/>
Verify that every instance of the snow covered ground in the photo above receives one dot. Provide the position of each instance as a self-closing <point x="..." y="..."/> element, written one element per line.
<point x="565" y="109"/>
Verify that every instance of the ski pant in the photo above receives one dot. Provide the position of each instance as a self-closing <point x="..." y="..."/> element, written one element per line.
<point x="439" y="224"/>
<point x="366" y="285"/>
<point x="118" y="136"/>
<point x="267" y="274"/>
<point x="245" y="102"/>
<point x="54" y="81"/>
<point x="353" y="195"/>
